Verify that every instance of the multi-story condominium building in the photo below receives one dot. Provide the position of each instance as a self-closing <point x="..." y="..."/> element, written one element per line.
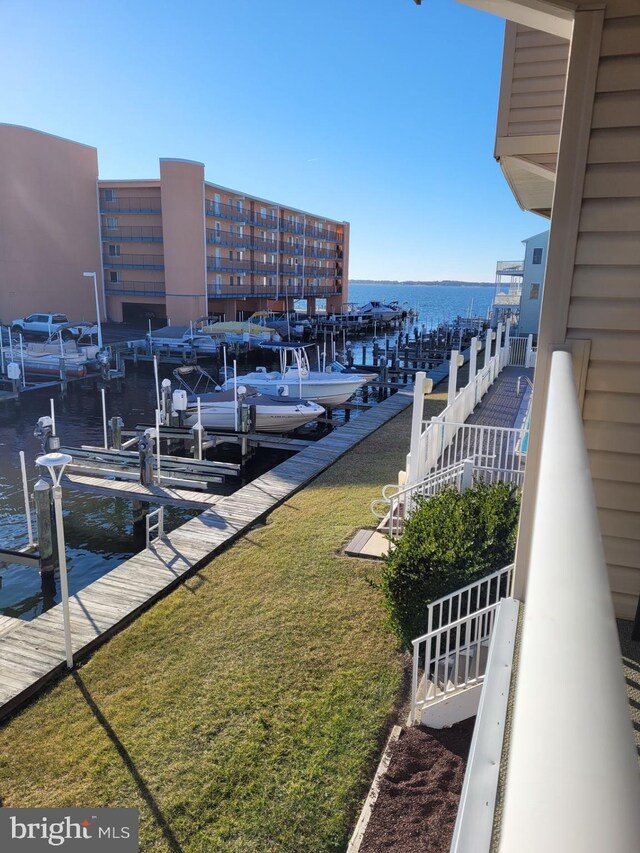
<point x="519" y="285"/>
<point x="178" y="247"/>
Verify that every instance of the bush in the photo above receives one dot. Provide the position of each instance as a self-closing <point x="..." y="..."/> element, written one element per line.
<point x="448" y="541"/>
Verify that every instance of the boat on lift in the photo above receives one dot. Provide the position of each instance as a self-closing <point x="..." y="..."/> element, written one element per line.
<point x="296" y="379"/>
<point x="220" y="410"/>
<point x="380" y="312"/>
<point x="58" y="353"/>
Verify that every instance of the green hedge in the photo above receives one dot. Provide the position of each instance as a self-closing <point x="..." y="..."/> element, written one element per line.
<point x="447" y="542"/>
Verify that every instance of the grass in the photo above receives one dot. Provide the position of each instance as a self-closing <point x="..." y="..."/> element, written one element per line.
<point x="245" y="711"/>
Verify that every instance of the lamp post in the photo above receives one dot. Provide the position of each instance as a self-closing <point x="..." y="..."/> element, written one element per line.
<point x="56" y="463"/>
<point x="95" y="287"/>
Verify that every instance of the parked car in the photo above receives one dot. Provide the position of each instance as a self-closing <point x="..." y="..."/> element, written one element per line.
<point x="44" y="325"/>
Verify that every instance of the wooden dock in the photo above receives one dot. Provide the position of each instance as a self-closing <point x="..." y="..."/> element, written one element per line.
<point x="32" y="653"/>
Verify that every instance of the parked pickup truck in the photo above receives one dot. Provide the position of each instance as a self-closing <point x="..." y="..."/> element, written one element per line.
<point x="43" y="325"/>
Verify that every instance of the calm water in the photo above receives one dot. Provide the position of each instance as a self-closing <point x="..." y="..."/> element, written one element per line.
<point x="435" y="304"/>
<point x="99" y="531"/>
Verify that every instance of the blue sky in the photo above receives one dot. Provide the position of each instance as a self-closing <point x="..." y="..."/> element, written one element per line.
<point x="379" y="112"/>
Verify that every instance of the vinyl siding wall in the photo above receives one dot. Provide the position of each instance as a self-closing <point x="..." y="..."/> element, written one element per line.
<point x="605" y="298"/>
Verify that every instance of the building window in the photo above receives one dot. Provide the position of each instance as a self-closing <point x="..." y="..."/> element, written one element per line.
<point x="272" y="213"/>
<point x="216" y="203"/>
<point x="263" y="212"/>
<point x="217" y="226"/>
<point x="537" y="256"/>
<point x="114" y="251"/>
<point x="231" y="280"/>
<point x="111" y="223"/>
<point x="240" y="280"/>
<point x="270" y="281"/>
<point x="264" y="235"/>
<point x="534" y="292"/>
<point x="218" y="281"/>
<point x="114" y="276"/>
<point x="110" y="195"/>
<point x="289" y="282"/>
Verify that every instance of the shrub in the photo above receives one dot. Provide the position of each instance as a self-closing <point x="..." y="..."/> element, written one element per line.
<point x="448" y="541"/>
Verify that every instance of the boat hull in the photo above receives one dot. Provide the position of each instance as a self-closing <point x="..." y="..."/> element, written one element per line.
<point x="330" y="392"/>
<point x="269" y="418"/>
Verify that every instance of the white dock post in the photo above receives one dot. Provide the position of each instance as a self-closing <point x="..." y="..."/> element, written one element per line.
<point x="104" y="419"/>
<point x="416" y="428"/>
<point x="158" y="445"/>
<point x="53" y="416"/>
<point x="27" y="505"/>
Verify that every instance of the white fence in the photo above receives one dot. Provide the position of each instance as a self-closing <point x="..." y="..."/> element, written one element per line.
<point x="452" y="655"/>
<point x="521" y="351"/>
<point x="423" y="456"/>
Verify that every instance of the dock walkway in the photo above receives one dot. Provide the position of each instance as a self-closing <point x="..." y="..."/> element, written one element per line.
<point x="32" y="653"/>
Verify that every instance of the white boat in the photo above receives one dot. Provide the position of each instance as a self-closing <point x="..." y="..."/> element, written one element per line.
<point x="380" y="312"/>
<point x="220" y="410"/>
<point x="296" y="379"/>
<point x="185" y="338"/>
<point x="49" y="357"/>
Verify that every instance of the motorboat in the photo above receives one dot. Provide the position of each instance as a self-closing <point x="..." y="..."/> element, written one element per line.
<point x="221" y="410"/>
<point x="55" y="355"/>
<point x="380" y="312"/>
<point x="296" y="379"/>
<point x="242" y="332"/>
<point x="286" y="326"/>
<point x="185" y="338"/>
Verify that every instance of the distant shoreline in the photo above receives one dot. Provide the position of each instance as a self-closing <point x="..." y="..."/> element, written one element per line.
<point x="424" y="283"/>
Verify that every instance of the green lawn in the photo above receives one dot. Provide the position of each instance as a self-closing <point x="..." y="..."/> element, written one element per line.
<point x="246" y="711"/>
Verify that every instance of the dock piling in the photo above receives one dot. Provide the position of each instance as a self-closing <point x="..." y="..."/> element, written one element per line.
<point x="42" y="495"/>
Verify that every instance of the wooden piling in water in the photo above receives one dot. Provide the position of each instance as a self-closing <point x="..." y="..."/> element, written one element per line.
<point x="42" y="495"/>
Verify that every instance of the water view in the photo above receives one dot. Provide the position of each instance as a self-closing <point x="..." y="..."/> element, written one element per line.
<point x="99" y="531"/>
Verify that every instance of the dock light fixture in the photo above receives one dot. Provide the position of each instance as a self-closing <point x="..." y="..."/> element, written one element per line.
<point x="95" y="287"/>
<point x="56" y="463"/>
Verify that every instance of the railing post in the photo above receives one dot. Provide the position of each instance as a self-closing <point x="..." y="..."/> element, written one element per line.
<point x="416" y="427"/>
<point x="499" y="345"/>
<point x="467" y="475"/>
<point x="507" y="341"/>
<point x="453" y="375"/>
<point x="487" y="347"/>
<point x="527" y="357"/>
<point x="473" y="359"/>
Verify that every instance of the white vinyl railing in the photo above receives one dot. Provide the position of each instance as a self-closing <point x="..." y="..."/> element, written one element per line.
<point x="452" y="654"/>
<point x="448" y="661"/>
<point x="487" y="446"/>
<point x="424" y="451"/>
<point x="401" y="503"/>
<point x="571" y="770"/>
<point x="397" y="505"/>
<point x="470" y="598"/>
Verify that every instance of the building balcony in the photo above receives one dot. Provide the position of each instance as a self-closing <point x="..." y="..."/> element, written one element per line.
<point x="270" y="291"/>
<point x="133" y="234"/>
<point x="240" y="241"/>
<point x="510" y="268"/>
<point x="131" y="204"/>
<point x="135" y="288"/>
<point x="235" y="214"/>
<point x="244" y="267"/>
<point x="143" y="262"/>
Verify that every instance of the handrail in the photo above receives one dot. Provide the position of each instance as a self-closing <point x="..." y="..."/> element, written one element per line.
<point x="441" y="653"/>
<point x="572" y="779"/>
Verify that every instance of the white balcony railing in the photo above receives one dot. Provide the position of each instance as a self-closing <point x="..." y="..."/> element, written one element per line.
<point x="572" y="778"/>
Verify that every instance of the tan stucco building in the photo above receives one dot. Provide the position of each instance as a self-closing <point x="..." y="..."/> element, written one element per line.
<point x="178" y="247"/>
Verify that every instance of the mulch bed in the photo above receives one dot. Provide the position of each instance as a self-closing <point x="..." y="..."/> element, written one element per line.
<point x="418" y="801"/>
